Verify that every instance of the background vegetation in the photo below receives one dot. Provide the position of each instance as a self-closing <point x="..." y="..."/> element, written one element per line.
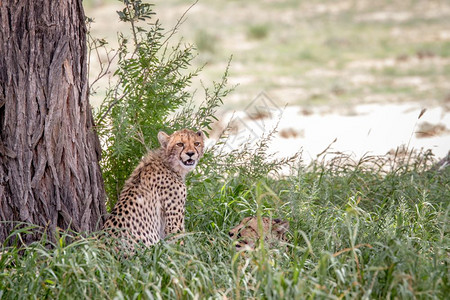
<point x="376" y="228"/>
<point x="313" y="53"/>
<point x="150" y="95"/>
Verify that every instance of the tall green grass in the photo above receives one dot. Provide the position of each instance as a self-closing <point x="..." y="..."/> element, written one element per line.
<point x="358" y="231"/>
<point x="372" y="229"/>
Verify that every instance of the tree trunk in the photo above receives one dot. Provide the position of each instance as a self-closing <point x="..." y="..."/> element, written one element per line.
<point x="49" y="151"/>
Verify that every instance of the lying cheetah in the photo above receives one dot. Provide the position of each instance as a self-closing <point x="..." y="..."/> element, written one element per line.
<point x="247" y="232"/>
<point x="151" y="204"/>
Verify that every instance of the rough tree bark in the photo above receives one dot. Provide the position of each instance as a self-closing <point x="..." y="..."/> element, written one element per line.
<point x="49" y="152"/>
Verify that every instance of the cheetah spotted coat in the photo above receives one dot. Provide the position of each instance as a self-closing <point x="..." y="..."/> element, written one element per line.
<point x="152" y="202"/>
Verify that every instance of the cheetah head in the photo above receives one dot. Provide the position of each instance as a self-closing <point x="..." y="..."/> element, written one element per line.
<point x="247" y="232"/>
<point x="183" y="148"/>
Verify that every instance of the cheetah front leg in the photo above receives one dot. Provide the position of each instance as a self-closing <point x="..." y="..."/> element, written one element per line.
<point x="174" y="199"/>
<point x="174" y="217"/>
<point x="174" y="202"/>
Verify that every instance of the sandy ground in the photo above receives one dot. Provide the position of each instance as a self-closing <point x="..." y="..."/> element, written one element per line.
<point x="373" y="129"/>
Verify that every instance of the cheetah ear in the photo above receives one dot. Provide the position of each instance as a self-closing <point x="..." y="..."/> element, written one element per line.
<point x="163" y="139"/>
<point x="201" y="134"/>
<point x="280" y="226"/>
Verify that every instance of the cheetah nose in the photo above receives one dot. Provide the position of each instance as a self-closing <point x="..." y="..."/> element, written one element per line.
<point x="190" y="153"/>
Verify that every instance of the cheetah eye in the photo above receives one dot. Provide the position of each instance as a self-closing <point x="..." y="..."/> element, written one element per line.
<point x="180" y="144"/>
<point x="196" y="144"/>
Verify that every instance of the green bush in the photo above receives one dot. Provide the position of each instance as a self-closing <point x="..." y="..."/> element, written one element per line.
<point x="205" y="42"/>
<point x="258" y="31"/>
<point x="150" y="95"/>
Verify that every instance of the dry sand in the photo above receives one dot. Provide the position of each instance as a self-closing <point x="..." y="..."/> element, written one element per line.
<point x="373" y="129"/>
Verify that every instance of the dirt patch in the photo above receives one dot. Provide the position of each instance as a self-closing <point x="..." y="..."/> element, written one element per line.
<point x="288" y="133"/>
<point x="427" y="130"/>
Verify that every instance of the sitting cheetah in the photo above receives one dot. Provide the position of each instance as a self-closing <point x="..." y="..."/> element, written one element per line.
<point x="151" y="204"/>
<point x="247" y="232"/>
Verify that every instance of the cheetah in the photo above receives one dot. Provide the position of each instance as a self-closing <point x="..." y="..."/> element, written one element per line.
<point x="152" y="202"/>
<point x="247" y="232"/>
